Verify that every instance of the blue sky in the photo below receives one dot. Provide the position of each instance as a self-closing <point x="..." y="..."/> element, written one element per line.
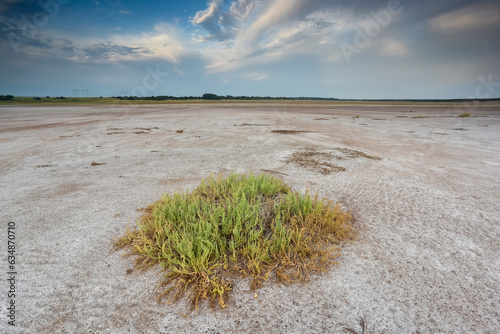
<point x="325" y="48"/>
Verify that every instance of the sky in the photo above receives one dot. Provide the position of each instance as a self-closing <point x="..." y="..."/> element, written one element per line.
<point x="366" y="49"/>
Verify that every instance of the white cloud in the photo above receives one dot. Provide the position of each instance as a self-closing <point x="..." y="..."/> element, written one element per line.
<point x="256" y="32"/>
<point x="276" y="13"/>
<point x="163" y="42"/>
<point x="222" y="21"/>
<point x="204" y="16"/>
<point x="392" y="47"/>
<point x="471" y="18"/>
<point x="237" y="34"/>
<point x="240" y="9"/>
<point x="272" y="37"/>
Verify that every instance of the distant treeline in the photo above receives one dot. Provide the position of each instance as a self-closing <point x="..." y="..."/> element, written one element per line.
<point x="209" y="96"/>
<point x="215" y="97"/>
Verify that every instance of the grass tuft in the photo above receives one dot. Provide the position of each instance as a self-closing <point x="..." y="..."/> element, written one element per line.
<point x="236" y="226"/>
<point x="465" y="114"/>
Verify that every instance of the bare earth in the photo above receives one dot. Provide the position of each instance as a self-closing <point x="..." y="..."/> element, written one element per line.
<point x="428" y="213"/>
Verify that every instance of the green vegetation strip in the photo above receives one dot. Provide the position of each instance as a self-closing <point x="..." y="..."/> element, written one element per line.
<point x="236" y="226"/>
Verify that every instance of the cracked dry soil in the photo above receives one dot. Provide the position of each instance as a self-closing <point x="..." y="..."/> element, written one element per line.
<point x="427" y="259"/>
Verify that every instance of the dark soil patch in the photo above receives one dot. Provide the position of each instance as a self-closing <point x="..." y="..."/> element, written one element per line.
<point x="290" y="132"/>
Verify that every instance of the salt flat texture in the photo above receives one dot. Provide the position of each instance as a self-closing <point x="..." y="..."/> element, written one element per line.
<point x="428" y="213"/>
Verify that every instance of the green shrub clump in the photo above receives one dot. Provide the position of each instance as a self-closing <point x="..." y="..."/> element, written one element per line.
<point x="236" y="226"/>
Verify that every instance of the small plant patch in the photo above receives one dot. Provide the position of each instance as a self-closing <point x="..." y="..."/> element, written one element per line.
<point x="317" y="161"/>
<point x="326" y="162"/>
<point x="236" y="226"/>
<point x="465" y="114"/>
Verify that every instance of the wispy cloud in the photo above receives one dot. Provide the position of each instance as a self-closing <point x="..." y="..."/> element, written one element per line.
<point x="278" y="12"/>
<point x="278" y="29"/>
<point x="220" y="20"/>
<point x="110" y="51"/>
<point x="393" y="47"/>
<point x="163" y="42"/>
<point x="472" y="18"/>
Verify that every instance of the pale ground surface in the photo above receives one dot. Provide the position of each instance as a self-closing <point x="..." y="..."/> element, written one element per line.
<point x="427" y="259"/>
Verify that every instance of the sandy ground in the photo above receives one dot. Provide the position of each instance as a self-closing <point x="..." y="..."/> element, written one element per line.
<point x="428" y="214"/>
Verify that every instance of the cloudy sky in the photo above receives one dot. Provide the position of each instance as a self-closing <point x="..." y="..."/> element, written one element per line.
<point x="323" y="48"/>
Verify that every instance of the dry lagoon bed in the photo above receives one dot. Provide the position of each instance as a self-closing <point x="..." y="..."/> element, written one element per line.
<point x="427" y="259"/>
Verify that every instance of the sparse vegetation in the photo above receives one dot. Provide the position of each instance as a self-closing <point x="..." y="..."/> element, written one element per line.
<point x="465" y="114"/>
<point x="415" y="117"/>
<point x="317" y="161"/>
<point x="326" y="162"/>
<point x="236" y="226"/>
<point x="179" y="131"/>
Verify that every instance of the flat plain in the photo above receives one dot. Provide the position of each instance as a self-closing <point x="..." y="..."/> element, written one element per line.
<point x="422" y="184"/>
